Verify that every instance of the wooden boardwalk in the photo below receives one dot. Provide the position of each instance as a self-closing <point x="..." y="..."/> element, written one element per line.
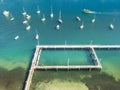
<point x="39" y="48"/>
<point x="80" y="46"/>
<point x="70" y="67"/>
<point x="32" y="68"/>
<point x="96" y="58"/>
<point x="39" y="54"/>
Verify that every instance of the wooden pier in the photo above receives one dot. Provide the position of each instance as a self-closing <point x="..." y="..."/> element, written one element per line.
<point x="32" y="68"/>
<point x="80" y="46"/>
<point x="70" y="67"/>
<point x="35" y="61"/>
<point x="96" y="57"/>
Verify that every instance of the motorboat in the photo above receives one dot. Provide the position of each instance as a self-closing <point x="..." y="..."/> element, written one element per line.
<point x="87" y="11"/>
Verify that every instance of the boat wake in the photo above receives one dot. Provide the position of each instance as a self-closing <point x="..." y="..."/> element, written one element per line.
<point x="87" y="11"/>
<point x="107" y="13"/>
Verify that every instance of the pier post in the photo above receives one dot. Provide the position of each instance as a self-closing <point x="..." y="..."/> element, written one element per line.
<point x="90" y="69"/>
<point x="68" y="68"/>
<point x="57" y="69"/>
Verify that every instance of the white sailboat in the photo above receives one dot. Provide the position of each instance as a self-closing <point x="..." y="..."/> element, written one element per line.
<point x="16" y="37"/>
<point x="43" y="18"/>
<point x="38" y="10"/>
<point x="60" y="19"/>
<point x="77" y="18"/>
<point x="93" y="20"/>
<point x="51" y="14"/>
<point x="37" y="36"/>
<point x="82" y="26"/>
<point x="111" y="26"/>
<point x="28" y="17"/>
<point x="11" y="17"/>
<point x="6" y="13"/>
<point x="28" y="27"/>
<point x="57" y="27"/>
<point x="24" y="12"/>
<point x="25" y="22"/>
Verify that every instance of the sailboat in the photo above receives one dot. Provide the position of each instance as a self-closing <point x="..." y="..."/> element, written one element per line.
<point x="25" y="22"/>
<point x="17" y="37"/>
<point x="93" y="20"/>
<point x="28" y="17"/>
<point x="77" y="18"/>
<point x="51" y="14"/>
<point x="111" y="26"/>
<point x="82" y="26"/>
<point x="57" y="27"/>
<point x="37" y="36"/>
<point x="59" y="19"/>
<point x="43" y="19"/>
<point x="28" y="27"/>
<point x="38" y="10"/>
<point x="6" y="13"/>
<point x="11" y="17"/>
<point x="24" y="12"/>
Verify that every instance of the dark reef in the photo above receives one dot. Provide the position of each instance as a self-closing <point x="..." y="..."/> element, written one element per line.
<point x="96" y="81"/>
<point x="12" y="80"/>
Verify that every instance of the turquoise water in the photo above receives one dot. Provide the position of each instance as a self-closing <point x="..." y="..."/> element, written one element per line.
<point x="18" y="54"/>
<point x="65" y="57"/>
<point x="110" y="61"/>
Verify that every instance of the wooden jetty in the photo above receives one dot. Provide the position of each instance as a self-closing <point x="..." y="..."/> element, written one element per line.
<point x="96" y="57"/>
<point x="70" y="67"/>
<point x="35" y="61"/>
<point x="80" y="46"/>
<point x="32" y="68"/>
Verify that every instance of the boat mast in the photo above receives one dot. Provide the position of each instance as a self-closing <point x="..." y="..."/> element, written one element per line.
<point x="60" y="14"/>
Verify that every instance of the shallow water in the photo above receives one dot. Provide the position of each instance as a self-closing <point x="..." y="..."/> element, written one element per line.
<point x="95" y="80"/>
<point x="65" y="57"/>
